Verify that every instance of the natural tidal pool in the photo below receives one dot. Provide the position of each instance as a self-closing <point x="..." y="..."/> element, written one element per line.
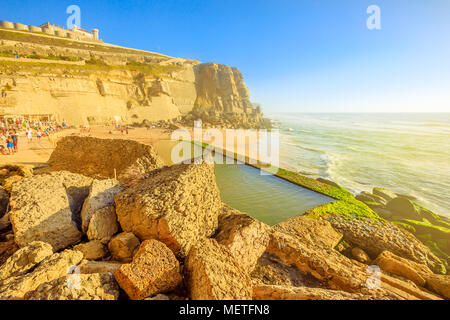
<point x="265" y="197"/>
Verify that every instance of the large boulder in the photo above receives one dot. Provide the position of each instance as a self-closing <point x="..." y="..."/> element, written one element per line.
<point x="404" y="208"/>
<point x="92" y="250"/>
<point x="96" y="286"/>
<point x="154" y="269"/>
<point x="101" y="195"/>
<point x="212" y="273"/>
<point x="386" y="194"/>
<point x="376" y="237"/>
<point x="403" y="267"/>
<point x="325" y="264"/>
<point x="25" y="259"/>
<point x="101" y="158"/>
<point x="416" y="272"/>
<point x="340" y="273"/>
<point x="316" y="231"/>
<point x="369" y="197"/>
<point x="51" y="268"/>
<point x="47" y="208"/>
<point x="178" y="205"/>
<point x="270" y="270"/>
<point x="103" y="224"/>
<point x="439" y="283"/>
<point x="124" y="246"/>
<point x="244" y="236"/>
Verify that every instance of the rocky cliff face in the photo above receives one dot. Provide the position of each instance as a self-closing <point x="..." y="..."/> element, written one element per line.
<point x="95" y="86"/>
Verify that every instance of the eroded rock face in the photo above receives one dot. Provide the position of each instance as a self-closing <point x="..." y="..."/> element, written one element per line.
<point x="53" y="267"/>
<point x="439" y="283"/>
<point x="339" y="272"/>
<point x="222" y="89"/>
<point x="154" y="269"/>
<point x="374" y="238"/>
<point x="212" y="273"/>
<point x="92" y="250"/>
<point x="402" y="267"/>
<point x="178" y="205"/>
<point x="265" y="292"/>
<point x="244" y="236"/>
<point x="96" y="286"/>
<point x="24" y="259"/>
<point x="270" y="270"/>
<point x="129" y="158"/>
<point x="319" y="232"/>
<point x="101" y="195"/>
<point x="123" y="246"/>
<point x="47" y="208"/>
<point x="103" y="224"/>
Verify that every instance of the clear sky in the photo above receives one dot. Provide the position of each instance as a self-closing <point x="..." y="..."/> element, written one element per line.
<point x="296" y="55"/>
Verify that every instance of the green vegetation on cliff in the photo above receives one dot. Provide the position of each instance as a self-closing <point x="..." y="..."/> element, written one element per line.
<point x="91" y="66"/>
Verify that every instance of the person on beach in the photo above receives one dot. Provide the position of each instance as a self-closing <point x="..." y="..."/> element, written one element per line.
<point x="15" y="138"/>
<point x="39" y="134"/>
<point x="29" y="135"/>
<point x="10" y="145"/>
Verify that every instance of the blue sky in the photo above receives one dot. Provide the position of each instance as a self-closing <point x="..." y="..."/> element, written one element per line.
<point x="296" y="56"/>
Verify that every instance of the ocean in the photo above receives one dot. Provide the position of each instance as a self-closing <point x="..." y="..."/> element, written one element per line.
<point x="406" y="153"/>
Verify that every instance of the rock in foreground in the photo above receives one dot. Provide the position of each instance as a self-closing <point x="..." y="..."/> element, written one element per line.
<point x="123" y="246"/>
<point x="101" y="195"/>
<point x="376" y="237"/>
<point x="47" y="208"/>
<point x="24" y="259"/>
<point x="129" y="158"/>
<point x="244" y="236"/>
<point x="154" y="269"/>
<point x="212" y="273"/>
<point x="96" y="286"/>
<point x="53" y="267"/>
<point x="178" y="205"/>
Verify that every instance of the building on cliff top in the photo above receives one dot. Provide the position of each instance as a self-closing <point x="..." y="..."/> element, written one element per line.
<point x="75" y="33"/>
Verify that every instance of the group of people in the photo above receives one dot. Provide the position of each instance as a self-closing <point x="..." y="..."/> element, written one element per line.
<point x="11" y="130"/>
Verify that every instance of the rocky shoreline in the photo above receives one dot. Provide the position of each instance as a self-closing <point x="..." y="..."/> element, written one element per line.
<point x="106" y="220"/>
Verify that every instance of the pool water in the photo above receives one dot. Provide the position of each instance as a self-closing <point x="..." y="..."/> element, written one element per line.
<point x="265" y="197"/>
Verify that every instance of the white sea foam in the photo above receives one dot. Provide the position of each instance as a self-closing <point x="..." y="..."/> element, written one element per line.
<point x="408" y="153"/>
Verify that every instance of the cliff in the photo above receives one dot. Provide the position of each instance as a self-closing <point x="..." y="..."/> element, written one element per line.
<point x="85" y="83"/>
